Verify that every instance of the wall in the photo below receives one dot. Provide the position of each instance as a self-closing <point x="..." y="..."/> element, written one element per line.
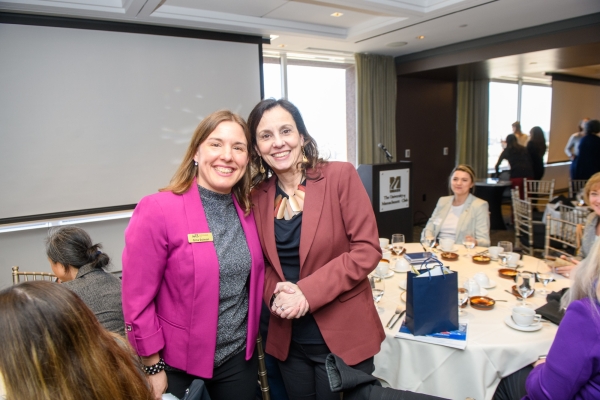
<point x="425" y="124"/>
<point x="26" y="248"/>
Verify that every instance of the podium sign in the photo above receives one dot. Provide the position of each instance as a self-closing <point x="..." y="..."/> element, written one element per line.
<point x="394" y="189"/>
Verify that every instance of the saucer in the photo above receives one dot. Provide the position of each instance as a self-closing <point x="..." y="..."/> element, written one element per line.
<point x="403" y="296"/>
<point x="482" y="292"/>
<point x="531" y="328"/>
<point x="402" y="284"/>
<point x="400" y="269"/>
<point x="388" y="275"/>
<point x="492" y="284"/>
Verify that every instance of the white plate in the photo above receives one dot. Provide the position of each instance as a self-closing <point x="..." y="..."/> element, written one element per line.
<point x="531" y="328"/>
<point x="403" y="296"/>
<point x="388" y="275"/>
<point x="492" y="284"/>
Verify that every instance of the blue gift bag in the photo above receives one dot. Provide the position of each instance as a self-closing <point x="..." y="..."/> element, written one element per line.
<point x="431" y="300"/>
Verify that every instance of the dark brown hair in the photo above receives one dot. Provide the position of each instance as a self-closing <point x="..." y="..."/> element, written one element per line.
<point x="310" y="146"/>
<point x="187" y="171"/>
<point x="72" y="247"/>
<point x="53" y="347"/>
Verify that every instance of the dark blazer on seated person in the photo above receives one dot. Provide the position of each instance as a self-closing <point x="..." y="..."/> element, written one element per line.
<point x="474" y="219"/>
<point x="101" y="292"/>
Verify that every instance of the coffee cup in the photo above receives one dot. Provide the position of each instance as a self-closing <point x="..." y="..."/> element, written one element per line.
<point x="473" y="287"/>
<point x="384" y="243"/>
<point x="386" y="255"/>
<point x="402" y="265"/>
<point x="383" y="268"/>
<point x="482" y="279"/>
<point x="513" y="259"/>
<point x="524" y="316"/>
<point x="494" y="251"/>
<point x="447" y="244"/>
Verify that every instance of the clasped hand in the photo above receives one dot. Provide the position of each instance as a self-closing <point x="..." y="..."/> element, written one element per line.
<point x="289" y="302"/>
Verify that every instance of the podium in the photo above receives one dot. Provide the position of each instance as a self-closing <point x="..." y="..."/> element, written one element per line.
<point x="389" y="187"/>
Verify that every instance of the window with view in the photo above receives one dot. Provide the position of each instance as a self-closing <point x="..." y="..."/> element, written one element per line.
<point x="320" y="91"/>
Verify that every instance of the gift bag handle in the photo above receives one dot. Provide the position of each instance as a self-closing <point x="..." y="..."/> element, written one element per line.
<point x="437" y="263"/>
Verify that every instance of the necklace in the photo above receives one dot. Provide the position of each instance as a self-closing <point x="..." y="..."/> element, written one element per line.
<point x="288" y="207"/>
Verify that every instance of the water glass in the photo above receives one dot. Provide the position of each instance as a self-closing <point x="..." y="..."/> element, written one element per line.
<point x="378" y="288"/>
<point x="469" y="243"/>
<point x="504" y="253"/>
<point x="463" y="297"/>
<point x="545" y="274"/>
<point x="524" y="283"/>
<point x="397" y="243"/>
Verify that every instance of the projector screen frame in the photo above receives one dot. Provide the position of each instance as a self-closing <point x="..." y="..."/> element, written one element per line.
<point x="121" y="27"/>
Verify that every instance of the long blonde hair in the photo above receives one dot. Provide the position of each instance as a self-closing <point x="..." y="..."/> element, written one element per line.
<point x="54" y="348"/>
<point x="187" y="171"/>
<point x="584" y="279"/>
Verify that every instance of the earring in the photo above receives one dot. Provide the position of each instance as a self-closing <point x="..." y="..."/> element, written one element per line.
<point x="304" y="159"/>
<point x="261" y="169"/>
<point x="195" y="163"/>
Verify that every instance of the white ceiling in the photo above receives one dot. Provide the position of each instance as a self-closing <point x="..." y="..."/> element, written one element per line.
<point x="306" y="26"/>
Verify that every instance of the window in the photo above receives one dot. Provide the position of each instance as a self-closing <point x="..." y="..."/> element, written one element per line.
<point x="320" y="90"/>
<point x="535" y="101"/>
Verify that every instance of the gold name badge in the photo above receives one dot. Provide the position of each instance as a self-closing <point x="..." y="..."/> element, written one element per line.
<point x="200" y="237"/>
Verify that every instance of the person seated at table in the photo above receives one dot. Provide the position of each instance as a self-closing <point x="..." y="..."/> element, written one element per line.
<point x="591" y="231"/>
<point x="572" y="367"/>
<point x="461" y="215"/>
<point x="79" y="265"/>
<point x="53" y="347"/>
<point x="520" y="163"/>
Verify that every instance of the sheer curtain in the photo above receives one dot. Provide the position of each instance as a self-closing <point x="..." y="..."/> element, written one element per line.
<point x="472" y="124"/>
<point x="376" y="107"/>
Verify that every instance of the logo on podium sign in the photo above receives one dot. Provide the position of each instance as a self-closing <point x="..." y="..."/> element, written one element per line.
<point x="393" y="189"/>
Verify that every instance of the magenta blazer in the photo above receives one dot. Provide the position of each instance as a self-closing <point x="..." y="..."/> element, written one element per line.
<point x="171" y="286"/>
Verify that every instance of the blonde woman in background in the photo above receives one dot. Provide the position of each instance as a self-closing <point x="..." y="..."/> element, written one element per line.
<point x="461" y="215"/>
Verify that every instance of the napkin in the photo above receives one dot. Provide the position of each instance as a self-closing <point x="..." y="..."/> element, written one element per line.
<point x="551" y="310"/>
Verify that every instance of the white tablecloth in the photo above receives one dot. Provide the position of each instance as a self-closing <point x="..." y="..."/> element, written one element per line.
<point x="493" y="351"/>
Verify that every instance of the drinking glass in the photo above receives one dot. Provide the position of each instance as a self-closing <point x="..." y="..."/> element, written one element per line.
<point x="463" y="297"/>
<point x="545" y="274"/>
<point x="469" y="243"/>
<point x="504" y="253"/>
<point x="378" y="288"/>
<point x="397" y="243"/>
<point x="428" y="241"/>
<point x="524" y="283"/>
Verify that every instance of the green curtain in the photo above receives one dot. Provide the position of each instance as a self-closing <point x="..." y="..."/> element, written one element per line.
<point x="376" y="107"/>
<point x="472" y="124"/>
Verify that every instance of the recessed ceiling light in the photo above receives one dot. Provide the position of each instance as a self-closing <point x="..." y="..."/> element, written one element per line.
<point x="463" y="26"/>
<point x="273" y="37"/>
<point x="281" y="45"/>
<point x="396" y="44"/>
<point x="532" y="63"/>
<point x="337" y="14"/>
<point x="421" y="37"/>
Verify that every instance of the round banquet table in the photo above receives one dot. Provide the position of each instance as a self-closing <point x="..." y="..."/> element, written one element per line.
<point x="493" y="350"/>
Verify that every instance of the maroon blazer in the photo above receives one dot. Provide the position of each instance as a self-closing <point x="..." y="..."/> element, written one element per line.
<point x="339" y="247"/>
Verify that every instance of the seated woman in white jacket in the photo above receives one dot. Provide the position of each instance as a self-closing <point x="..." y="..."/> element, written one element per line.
<point x="462" y="214"/>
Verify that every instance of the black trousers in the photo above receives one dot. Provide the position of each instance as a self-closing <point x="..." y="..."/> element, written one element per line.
<point x="304" y="373"/>
<point x="513" y="386"/>
<point x="235" y="379"/>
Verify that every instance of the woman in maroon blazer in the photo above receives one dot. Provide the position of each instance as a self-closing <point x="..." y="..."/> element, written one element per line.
<point x="320" y="241"/>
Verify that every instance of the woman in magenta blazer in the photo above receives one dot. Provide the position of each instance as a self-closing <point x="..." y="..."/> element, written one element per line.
<point x="193" y="269"/>
<point x="319" y="237"/>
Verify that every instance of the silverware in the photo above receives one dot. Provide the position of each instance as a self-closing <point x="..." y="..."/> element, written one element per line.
<point x="398" y="319"/>
<point x="481" y="253"/>
<point x="516" y="295"/>
<point x="399" y="309"/>
<point x="506" y="301"/>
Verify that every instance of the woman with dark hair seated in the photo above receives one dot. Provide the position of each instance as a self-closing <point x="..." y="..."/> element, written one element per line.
<point x="572" y="368"/>
<point x="79" y="265"/>
<point x="54" y="348"/>
<point x="520" y="162"/>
